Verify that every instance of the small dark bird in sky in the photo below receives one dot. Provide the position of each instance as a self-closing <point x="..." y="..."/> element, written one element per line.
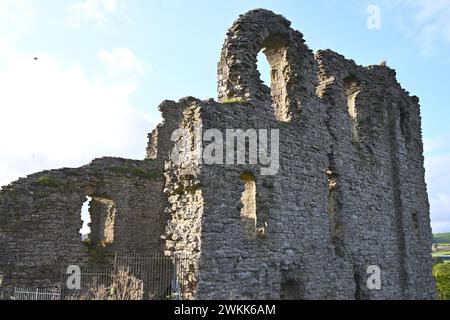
<point x="35" y="58"/>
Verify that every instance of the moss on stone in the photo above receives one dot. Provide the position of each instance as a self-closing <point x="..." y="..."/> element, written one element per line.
<point x="234" y="101"/>
<point x="97" y="256"/>
<point x="362" y="121"/>
<point x="137" y="171"/>
<point x="46" y="181"/>
<point x="283" y="124"/>
<point x="42" y="194"/>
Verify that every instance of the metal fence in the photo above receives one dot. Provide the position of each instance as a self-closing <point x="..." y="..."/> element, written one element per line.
<point x="161" y="277"/>
<point x="36" y="294"/>
<point x="92" y="281"/>
<point x="156" y="277"/>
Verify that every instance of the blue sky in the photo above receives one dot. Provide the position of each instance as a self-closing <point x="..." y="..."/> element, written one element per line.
<point x="104" y="66"/>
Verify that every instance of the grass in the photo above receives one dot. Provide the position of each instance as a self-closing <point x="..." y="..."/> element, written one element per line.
<point x="284" y="124"/>
<point x="42" y="194"/>
<point x="234" y="101"/>
<point x="438" y="254"/>
<point x="46" y="181"/>
<point x="127" y="168"/>
<point x="442" y="238"/>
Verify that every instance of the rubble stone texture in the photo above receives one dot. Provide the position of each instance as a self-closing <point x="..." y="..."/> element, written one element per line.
<point x="350" y="191"/>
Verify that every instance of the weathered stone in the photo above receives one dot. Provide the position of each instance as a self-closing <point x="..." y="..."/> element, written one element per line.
<point x="39" y="233"/>
<point x="350" y="192"/>
<point x="350" y="185"/>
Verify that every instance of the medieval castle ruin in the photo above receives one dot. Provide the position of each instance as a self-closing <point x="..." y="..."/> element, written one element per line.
<point x="349" y="191"/>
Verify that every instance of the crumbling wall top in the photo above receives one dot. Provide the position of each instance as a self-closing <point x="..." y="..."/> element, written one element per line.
<point x="238" y="77"/>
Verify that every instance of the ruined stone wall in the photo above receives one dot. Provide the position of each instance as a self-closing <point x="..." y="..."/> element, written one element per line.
<point x="41" y="215"/>
<point x="381" y="174"/>
<point x="40" y="219"/>
<point x="350" y="192"/>
<point x="184" y="195"/>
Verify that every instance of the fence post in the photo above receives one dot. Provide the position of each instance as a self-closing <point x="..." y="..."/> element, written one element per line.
<point x="115" y="262"/>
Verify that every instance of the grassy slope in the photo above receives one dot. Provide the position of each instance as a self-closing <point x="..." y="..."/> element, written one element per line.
<point x="437" y="254"/>
<point x="441" y="238"/>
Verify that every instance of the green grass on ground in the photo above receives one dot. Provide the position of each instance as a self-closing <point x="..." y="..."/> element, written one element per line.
<point x="441" y="238"/>
<point x="445" y="253"/>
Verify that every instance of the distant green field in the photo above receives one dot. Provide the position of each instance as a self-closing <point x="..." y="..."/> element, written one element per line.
<point x="437" y="254"/>
<point x="441" y="238"/>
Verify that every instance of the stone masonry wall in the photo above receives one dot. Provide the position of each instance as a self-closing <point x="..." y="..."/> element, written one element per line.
<point x="40" y="219"/>
<point x="350" y="192"/>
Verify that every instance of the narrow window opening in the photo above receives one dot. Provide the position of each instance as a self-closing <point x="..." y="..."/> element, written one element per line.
<point x="85" y="229"/>
<point x="264" y="69"/>
<point x="334" y="209"/>
<point x="357" y="280"/>
<point x="405" y="119"/>
<point x="248" y="199"/>
<point x="415" y="220"/>
<point x="332" y="202"/>
<point x="290" y="290"/>
<point x="272" y="66"/>
<point x="98" y="215"/>
<point x="352" y="89"/>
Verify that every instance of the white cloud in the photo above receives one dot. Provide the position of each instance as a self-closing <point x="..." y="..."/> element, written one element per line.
<point x="52" y="114"/>
<point x="438" y="176"/>
<point x="123" y="64"/>
<point x="98" y="11"/>
<point x="425" y="21"/>
<point x="437" y="144"/>
<point x="15" y="20"/>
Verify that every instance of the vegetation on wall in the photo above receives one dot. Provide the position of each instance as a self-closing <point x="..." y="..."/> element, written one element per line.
<point x="128" y="168"/>
<point x="46" y="181"/>
<point x="234" y="101"/>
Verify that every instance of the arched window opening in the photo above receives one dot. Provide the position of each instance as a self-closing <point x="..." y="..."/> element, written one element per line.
<point x="352" y="89"/>
<point x="273" y="74"/>
<point x="264" y="69"/>
<point x="248" y="199"/>
<point x="98" y="215"/>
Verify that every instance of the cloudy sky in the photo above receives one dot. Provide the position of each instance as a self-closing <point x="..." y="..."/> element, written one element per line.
<point x="103" y="66"/>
